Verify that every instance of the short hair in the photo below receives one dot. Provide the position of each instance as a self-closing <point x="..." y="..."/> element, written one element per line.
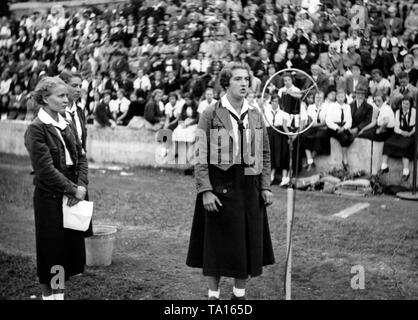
<point x="226" y="72"/>
<point x="380" y="93"/>
<point x="172" y="94"/>
<point x="67" y="75"/>
<point x="377" y="71"/>
<point x="44" y="87"/>
<point x="403" y="75"/>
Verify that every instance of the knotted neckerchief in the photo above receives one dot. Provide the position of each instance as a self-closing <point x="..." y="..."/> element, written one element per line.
<point x="240" y="122"/>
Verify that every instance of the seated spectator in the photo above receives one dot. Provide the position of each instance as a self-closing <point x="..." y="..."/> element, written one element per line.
<point x="350" y="83"/>
<point x="184" y="134"/>
<point x="330" y="62"/>
<point x="378" y="83"/>
<point x="411" y="22"/>
<point x="119" y="106"/>
<point x="102" y="115"/>
<point x="318" y="76"/>
<point x="408" y="62"/>
<point x="172" y="110"/>
<point x="17" y="105"/>
<point x="383" y="123"/>
<point x="401" y="143"/>
<point x="316" y="140"/>
<point x="351" y="57"/>
<point x="172" y="84"/>
<point x="390" y="58"/>
<point x="4" y="106"/>
<point x="361" y="112"/>
<point x="338" y="120"/>
<point x="200" y="65"/>
<point x="372" y="60"/>
<point x="125" y="83"/>
<point x="142" y="82"/>
<point x="208" y="101"/>
<point x="405" y="89"/>
<point x="154" y="111"/>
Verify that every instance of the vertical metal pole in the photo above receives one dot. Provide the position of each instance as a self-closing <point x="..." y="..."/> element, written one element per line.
<point x="371" y="158"/>
<point x="288" y="284"/>
<point x="290" y="197"/>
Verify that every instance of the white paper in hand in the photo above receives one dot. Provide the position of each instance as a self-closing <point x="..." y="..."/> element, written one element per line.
<point x="78" y="216"/>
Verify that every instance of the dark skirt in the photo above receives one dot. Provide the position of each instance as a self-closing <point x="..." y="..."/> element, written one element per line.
<point x="234" y="242"/>
<point x="56" y="246"/>
<point x="345" y="138"/>
<point x="317" y="139"/>
<point x="380" y="137"/>
<point x="281" y="153"/>
<point x="398" y="146"/>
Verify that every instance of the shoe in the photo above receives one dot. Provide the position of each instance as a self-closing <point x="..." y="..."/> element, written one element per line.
<point x="383" y="171"/>
<point x="405" y="177"/>
<point x="234" y="297"/>
<point x="285" y="182"/>
<point x="213" y="298"/>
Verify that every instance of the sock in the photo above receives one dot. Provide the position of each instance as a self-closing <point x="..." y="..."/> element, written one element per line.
<point x="50" y="297"/>
<point x="59" y="296"/>
<point x="405" y="171"/>
<point x="310" y="161"/>
<point x="384" y="166"/>
<point x="214" y="293"/>
<point x="238" y="292"/>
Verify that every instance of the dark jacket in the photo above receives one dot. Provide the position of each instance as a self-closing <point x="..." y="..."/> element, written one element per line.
<point x="152" y="112"/>
<point x="103" y="115"/>
<point x="362" y="115"/>
<point x="47" y="156"/>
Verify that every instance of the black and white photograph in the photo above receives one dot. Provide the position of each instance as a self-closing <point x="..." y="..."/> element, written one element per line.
<point x="185" y="151"/>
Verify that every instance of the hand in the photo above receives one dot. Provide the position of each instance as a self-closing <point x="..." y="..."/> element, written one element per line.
<point x="80" y="193"/>
<point x="210" y="202"/>
<point x="72" y="201"/>
<point x="267" y="197"/>
<point x="340" y="130"/>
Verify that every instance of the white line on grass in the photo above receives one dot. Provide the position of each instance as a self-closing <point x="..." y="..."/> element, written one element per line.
<point x="351" y="210"/>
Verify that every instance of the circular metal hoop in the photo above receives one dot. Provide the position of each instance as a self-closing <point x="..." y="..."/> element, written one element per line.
<point x="313" y="86"/>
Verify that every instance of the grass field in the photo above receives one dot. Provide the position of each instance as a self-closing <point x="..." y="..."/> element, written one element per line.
<point x="153" y="212"/>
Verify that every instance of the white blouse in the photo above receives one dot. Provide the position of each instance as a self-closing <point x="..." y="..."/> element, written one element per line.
<point x="333" y="116"/>
<point x="386" y="116"/>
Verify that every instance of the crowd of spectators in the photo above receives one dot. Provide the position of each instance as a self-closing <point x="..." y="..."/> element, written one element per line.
<point x="156" y="63"/>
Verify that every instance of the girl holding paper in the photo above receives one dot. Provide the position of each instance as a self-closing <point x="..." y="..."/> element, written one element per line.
<point x="60" y="168"/>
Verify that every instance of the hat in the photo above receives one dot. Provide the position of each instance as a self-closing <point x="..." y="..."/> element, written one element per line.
<point x="392" y="9"/>
<point x="376" y="70"/>
<point x="249" y="31"/>
<point x="269" y="32"/>
<point x="415" y="46"/>
<point x="360" y="89"/>
<point x="350" y="43"/>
